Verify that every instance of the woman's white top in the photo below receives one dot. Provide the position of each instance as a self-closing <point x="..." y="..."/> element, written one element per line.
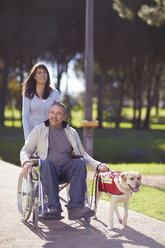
<point x="35" y="110"/>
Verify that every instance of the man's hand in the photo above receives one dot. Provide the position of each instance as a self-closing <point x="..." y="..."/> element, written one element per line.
<point x="27" y="166"/>
<point x="103" y="167"/>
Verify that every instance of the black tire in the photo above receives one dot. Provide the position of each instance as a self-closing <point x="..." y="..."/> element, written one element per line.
<point x="35" y="218"/>
<point x="87" y="221"/>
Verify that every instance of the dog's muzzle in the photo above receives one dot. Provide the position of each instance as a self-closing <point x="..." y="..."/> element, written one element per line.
<point x="134" y="189"/>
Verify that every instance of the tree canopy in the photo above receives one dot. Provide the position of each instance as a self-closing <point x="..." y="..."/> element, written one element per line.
<point x="129" y="54"/>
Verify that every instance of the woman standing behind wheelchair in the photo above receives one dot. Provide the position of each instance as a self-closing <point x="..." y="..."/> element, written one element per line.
<point x="38" y="96"/>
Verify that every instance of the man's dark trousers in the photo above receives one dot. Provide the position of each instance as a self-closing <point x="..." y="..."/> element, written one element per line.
<point x="74" y="172"/>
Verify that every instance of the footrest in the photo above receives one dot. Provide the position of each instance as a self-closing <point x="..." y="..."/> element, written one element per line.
<point x="49" y="216"/>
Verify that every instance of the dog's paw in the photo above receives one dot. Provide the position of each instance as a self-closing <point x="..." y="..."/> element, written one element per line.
<point x="120" y="221"/>
<point x="124" y="222"/>
<point x="110" y="228"/>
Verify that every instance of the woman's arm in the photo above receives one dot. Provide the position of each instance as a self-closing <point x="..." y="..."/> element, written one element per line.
<point x="26" y="116"/>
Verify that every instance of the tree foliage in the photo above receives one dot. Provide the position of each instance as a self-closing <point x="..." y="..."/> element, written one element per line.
<point x="152" y="12"/>
<point x="129" y="55"/>
<point x="130" y="51"/>
<point x="33" y="30"/>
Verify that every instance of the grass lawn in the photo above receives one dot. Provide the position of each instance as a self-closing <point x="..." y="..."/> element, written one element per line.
<point x="11" y="142"/>
<point x="77" y="114"/>
<point x="122" y="146"/>
<point x="156" y="122"/>
<point x="13" y="117"/>
<point x="128" y="145"/>
<point x="143" y="168"/>
<point x="14" y="123"/>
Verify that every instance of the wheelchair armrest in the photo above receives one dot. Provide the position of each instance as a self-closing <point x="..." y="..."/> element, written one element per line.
<point x="35" y="156"/>
<point x="76" y="156"/>
<point x="34" y="160"/>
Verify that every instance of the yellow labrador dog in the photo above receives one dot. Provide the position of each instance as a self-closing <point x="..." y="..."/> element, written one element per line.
<point x="120" y="186"/>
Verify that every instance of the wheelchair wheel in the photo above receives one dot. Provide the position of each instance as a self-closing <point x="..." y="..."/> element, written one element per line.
<point x="25" y="196"/>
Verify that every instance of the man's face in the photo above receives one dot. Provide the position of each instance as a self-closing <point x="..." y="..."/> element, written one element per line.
<point x="56" y="116"/>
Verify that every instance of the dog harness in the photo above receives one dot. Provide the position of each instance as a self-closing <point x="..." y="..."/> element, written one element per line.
<point x="107" y="184"/>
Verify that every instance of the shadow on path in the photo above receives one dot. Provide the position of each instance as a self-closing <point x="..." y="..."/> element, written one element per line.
<point x="59" y="234"/>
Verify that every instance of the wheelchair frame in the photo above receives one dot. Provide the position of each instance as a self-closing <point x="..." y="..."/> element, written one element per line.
<point x="31" y="197"/>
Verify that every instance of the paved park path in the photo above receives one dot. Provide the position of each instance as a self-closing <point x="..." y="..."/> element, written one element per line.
<point x="141" y="232"/>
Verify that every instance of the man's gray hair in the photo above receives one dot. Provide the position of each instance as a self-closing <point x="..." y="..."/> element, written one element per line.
<point x="59" y="104"/>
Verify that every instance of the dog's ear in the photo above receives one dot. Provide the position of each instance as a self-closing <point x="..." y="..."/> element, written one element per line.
<point x="140" y="176"/>
<point x="123" y="176"/>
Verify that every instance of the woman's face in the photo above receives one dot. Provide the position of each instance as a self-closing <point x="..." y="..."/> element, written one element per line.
<point x="41" y="76"/>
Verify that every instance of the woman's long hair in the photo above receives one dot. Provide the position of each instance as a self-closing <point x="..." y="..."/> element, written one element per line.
<point x="30" y="83"/>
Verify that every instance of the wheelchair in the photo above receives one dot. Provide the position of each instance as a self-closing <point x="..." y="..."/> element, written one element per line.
<point x="31" y="197"/>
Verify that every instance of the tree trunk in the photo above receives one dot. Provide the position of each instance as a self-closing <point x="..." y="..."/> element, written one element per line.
<point x="4" y="83"/>
<point x="119" y="107"/>
<point x="21" y="81"/>
<point x="59" y="75"/>
<point x="100" y="99"/>
<point x="151" y="99"/>
<point x="134" y="82"/>
<point x="139" y="82"/>
<point x="88" y="132"/>
<point x="157" y="101"/>
<point x="139" y="105"/>
<point x="134" y="101"/>
<point x="157" y="91"/>
<point x="149" y="105"/>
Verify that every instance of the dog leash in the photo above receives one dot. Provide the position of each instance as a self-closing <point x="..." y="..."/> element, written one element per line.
<point x="94" y="183"/>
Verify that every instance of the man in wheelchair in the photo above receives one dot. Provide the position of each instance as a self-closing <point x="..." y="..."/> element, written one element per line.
<point x="54" y="141"/>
